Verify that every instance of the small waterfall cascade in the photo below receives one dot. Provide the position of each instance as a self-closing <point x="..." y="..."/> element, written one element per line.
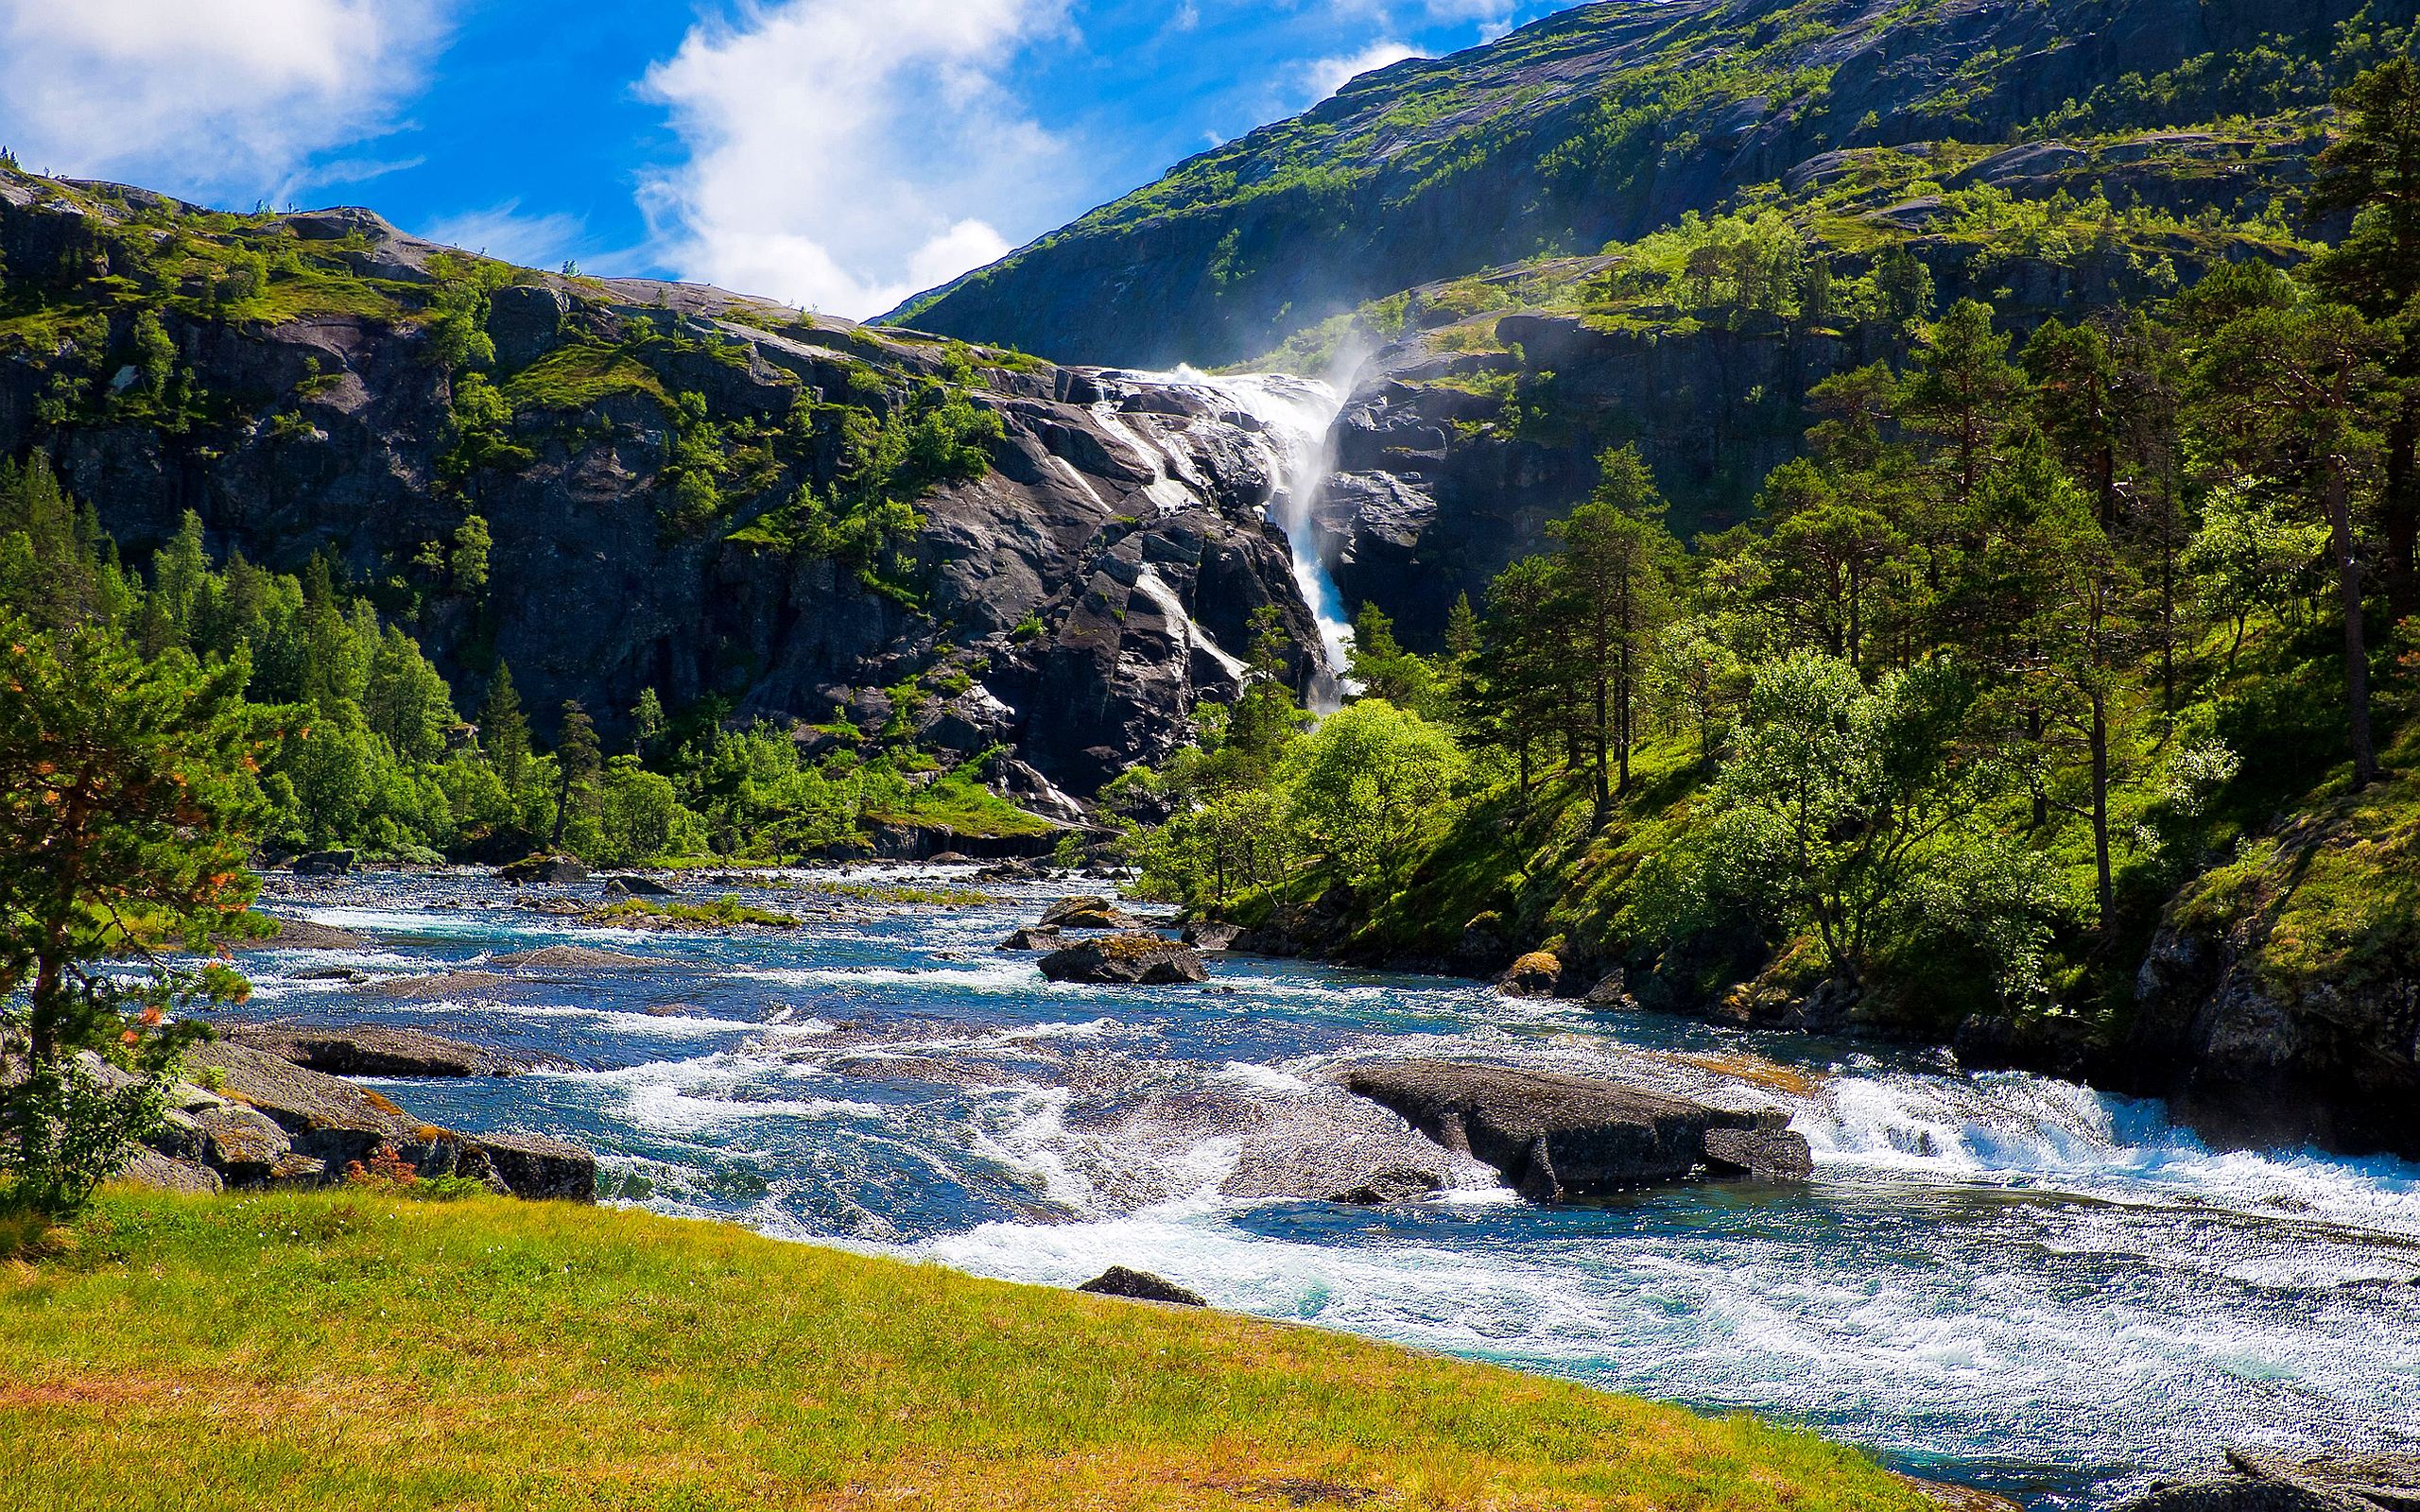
<point x="1295" y="419"/>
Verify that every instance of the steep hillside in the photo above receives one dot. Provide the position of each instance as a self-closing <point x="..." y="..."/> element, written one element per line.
<point x="1609" y="121"/>
<point x="619" y="486"/>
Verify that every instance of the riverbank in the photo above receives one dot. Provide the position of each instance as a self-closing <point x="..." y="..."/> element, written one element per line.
<point x="341" y="1349"/>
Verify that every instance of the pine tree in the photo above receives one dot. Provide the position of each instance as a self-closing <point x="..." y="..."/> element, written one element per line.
<point x="504" y="730"/>
<point x="582" y="759"/>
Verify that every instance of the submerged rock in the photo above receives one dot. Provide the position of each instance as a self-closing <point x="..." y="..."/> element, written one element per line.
<point x="1127" y="960"/>
<point x="1553" y="1136"/>
<point x="1141" y="1286"/>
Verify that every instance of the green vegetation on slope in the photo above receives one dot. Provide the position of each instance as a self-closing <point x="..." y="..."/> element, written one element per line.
<point x="349" y="1350"/>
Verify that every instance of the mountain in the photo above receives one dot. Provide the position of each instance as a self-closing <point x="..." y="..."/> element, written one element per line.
<point x="736" y="504"/>
<point x="1606" y="122"/>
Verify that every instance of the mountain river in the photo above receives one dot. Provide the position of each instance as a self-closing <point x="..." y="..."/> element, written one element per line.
<point x="1999" y="1279"/>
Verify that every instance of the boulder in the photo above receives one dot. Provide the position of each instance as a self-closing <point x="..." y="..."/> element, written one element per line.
<point x="2260" y="1483"/>
<point x="371" y="1050"/>
<point x="245" y="1147"/>
<point x="543" y="870"/>
<point x="163" y="1173"/>
<point x="1767" y="1153"/>
<point x="533" y="1166"/>
<point x="1010" y="871"/>
<point x="324" y="1117"/>
<point x="1612" y="995"/>
<point x="1207" y="936"/>
<point x="1127" y="960"/>
<point x="949" y="858"/>
<point x="628" y="886"/>
<point x="1033" y="939"/>
<point x="1141" y="1286"/>
<point x="1537" y="974"/>
<point x="322" y="864"/>
<point x="1088" y="913"/>
<point x="1553" y="1136"/>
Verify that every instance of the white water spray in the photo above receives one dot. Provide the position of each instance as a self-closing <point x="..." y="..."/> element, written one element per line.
<point x="1296" y="419"/>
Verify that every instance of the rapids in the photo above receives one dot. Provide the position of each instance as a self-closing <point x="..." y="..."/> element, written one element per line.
<point x="1997" y="1279"/>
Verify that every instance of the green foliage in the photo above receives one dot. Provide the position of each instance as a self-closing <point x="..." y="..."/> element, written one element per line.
<point x="126" y="797"/>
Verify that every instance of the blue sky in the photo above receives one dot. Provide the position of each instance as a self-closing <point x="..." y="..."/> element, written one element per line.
<point x="838" y="154"/>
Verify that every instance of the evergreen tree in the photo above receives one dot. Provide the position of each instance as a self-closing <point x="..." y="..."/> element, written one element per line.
<point x="583" y="760"/>
<point x="504" y="730"/>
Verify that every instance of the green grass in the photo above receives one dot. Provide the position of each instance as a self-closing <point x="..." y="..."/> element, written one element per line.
<point x="343" y="1351"/>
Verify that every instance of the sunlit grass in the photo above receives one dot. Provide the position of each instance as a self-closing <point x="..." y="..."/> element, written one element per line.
<point x="319" y="1351"/>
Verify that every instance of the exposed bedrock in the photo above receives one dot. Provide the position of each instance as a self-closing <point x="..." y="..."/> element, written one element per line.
<point x="1554" y="1136"/>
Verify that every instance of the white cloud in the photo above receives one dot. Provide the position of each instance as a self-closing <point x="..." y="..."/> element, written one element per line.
<point x="844" y="155"/>
<point x="1326" y="75"/>
<point x="503" y="231"/>
<point x="213" y="95"/>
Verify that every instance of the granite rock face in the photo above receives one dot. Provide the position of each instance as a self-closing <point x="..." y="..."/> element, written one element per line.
<point x="1553" y="1136"/>
<point x="1091" y="588"/>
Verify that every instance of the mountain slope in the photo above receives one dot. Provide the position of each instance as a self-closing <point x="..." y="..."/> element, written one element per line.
<point x="745" y="508"/>
<point x="1602" y="124"/>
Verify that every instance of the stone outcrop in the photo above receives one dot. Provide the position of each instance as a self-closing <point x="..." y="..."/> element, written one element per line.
<point x="268" y="1123"/>
<point x="1211" y="937"/>
<point x="1534" y="975"/>
<point x="2265" y="1483"/>
<point x="1125" y="960"/>
<point x="2280" y="1000"/>
<point x="1553" y="1136"/>
<point x="1141" y="1286"/>
<point x="371" y="1050"/>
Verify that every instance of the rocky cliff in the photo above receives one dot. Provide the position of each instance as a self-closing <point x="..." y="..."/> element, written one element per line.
<point x="1604" y="122"/>
<point x="686" y="489"/>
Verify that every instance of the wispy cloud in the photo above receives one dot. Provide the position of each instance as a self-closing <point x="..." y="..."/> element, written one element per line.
<point x="844" y="155"/>
<point x="228" y="96"/>
<point x="503" y="231"/>
<point x="1325" y="76"/>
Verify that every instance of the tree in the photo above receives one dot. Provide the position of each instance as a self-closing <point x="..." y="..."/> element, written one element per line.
<point x="125" y="803"/>
<point x="1362" y="787"/>
<point x="1389" y="673"/>
<point x="2372" y="171"/>
<point x="582" y="759"/>
<point x="647" y="723"/>
<point x="2280" y="388"/>
<point x="504" y="730"/>
<point x="1961" y="393"/>
<point x="1518" y="688"/>
<point x="1833" y="796"/>
<point x="1615" y="575"/>
<point x="469" y="559"/>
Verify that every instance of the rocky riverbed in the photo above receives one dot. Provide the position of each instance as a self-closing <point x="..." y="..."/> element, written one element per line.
<point x="2002" y="1280"/>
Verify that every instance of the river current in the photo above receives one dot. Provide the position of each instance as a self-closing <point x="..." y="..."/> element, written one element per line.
<point x="1999" y="1279"/>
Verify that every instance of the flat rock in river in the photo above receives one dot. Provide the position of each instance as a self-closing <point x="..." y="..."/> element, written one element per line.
<point x="441" y="984"/>
<point x="1554" y="1136"/>
<point x="2260" y="1482"/>
<point x="371" y="1050"/>
<point x="302" y="935"/>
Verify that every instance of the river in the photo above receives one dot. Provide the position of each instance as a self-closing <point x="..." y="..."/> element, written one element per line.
<point x="1998" y="1280"/>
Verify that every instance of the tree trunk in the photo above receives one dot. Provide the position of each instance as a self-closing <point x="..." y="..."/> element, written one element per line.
<point x="2108" y="892"/>
<point x="2400" y="512"/>
<point x="2357" y="656"/>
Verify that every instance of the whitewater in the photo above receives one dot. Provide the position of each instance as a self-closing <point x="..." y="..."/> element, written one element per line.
<point x="1997" y="1279"/>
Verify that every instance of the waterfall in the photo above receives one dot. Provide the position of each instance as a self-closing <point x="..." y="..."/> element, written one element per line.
<point x="1296" y="419"/>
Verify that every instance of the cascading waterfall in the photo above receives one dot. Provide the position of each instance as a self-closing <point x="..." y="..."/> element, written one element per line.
<point x="1296" y="419"/>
